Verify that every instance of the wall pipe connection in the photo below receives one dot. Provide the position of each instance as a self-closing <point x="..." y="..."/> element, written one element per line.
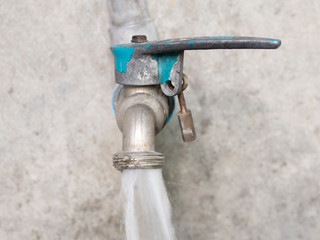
<point x="128" y="18"/>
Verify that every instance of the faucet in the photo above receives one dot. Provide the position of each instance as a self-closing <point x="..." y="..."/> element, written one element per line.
<point x="149" y="74"/>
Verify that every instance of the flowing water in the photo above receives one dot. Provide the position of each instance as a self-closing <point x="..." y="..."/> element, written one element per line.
<point x="147" y="210"/>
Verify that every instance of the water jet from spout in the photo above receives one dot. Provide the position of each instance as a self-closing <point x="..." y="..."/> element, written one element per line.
<point x="147" y="214"/>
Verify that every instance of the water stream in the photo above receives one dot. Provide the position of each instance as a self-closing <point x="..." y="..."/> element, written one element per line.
<point x="147" y="210"/>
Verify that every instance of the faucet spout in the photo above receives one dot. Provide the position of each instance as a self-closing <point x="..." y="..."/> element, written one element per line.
<point x="138" y="129"/>
<point x="141" y="112"/>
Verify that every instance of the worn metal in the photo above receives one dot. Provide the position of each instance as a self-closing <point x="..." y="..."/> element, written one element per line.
<point x="138" y="128"/>
<point x="147" y="96"/>
<point x="141" y="112"/>
<point x="161" y="62"/>
<point x="138" y="160"/>
<point x="187" y="128"/>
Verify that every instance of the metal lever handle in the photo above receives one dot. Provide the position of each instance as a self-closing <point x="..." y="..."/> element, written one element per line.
<point x="161" y="62"/>
<point x="202" y="43"/>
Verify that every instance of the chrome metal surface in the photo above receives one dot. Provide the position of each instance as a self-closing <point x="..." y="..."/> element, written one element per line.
<point x="138" y="128"/>
<point x="147" y="96"/>
<point x="141" y="113"/>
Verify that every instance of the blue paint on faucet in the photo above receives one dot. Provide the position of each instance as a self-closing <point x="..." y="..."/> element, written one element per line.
<point x="165" y="64"/>
<point x="169" y="41"/>
<point x="171" y="114"/>
<point x="121" y="57"/>
<point x="271" y="39"/>
<point x="147" y="46"/>
<point x="190" y="43"/>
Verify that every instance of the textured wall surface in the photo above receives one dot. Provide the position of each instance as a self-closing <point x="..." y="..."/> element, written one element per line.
<point x="253" y="173"/>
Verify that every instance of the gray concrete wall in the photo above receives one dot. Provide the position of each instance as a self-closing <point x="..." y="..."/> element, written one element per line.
<point x="253" y="173"/>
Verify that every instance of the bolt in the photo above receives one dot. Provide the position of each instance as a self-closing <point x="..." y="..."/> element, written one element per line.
<point x="139" y="39"/>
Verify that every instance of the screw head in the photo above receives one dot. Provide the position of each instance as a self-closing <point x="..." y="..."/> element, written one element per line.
<point x="139" y="39"/>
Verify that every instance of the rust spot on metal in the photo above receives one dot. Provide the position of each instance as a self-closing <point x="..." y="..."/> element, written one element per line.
<point x="185" y="120"/>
